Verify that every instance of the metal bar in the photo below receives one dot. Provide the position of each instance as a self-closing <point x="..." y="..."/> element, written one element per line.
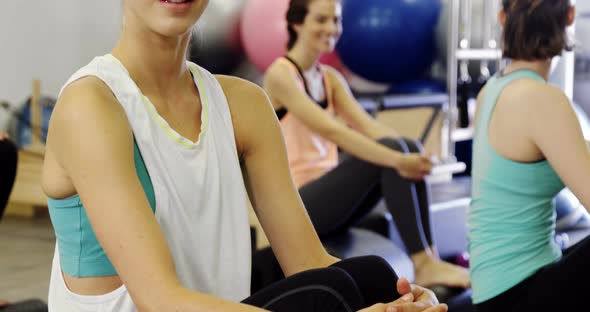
<point x="430" y="124"/>
<point x="449" y="120"/>
<point x="431" y="100"/>
<point x="386" y="102"/>
<point x="478" y="54"/>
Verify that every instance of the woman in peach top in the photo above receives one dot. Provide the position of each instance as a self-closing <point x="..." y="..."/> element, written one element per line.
<point x="307" y="97"/>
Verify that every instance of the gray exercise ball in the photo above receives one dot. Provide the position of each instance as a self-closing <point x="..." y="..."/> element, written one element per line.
<point x="570" y="213"/>
<point x="215" y="43"/>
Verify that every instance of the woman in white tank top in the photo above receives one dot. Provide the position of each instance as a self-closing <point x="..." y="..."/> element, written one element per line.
<point x="196" y="134"/>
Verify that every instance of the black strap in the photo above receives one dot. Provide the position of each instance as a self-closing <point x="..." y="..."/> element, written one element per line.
<point x="323" y="104"/>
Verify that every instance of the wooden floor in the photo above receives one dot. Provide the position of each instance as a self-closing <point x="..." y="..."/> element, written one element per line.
<point x="26" y="251"/>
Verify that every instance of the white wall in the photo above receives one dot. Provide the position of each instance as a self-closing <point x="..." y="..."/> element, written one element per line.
<point x="49" y="40"/>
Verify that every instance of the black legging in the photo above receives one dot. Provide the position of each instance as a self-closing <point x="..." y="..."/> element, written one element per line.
<point x="561" y="286"/>
<point x="348" y="285"/>
<point x="8" y="161"/>
<point x="341" y="197"/>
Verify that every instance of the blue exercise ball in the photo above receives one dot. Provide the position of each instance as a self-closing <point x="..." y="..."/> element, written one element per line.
<point x="389" y="40"/>
<point x="420" y="86"/>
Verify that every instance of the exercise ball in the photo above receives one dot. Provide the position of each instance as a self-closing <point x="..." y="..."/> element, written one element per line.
<point x="570" y="214"/>
<point x="264" y="31"/>
<point x="388" y="40"/>
<point x="421" y="86"/>
<point x="216" y="44"/>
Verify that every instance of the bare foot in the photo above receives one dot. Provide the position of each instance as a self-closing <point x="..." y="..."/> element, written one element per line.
<point x="432" y="271"/>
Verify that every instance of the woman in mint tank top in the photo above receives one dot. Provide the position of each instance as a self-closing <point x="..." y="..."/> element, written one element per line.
<point x="148" y="163"/>
<point x="527" y="146"/>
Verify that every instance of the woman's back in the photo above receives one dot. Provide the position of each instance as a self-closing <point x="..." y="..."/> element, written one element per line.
<point x="511" y="218"/>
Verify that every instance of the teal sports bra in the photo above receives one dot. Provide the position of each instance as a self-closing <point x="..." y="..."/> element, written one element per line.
<point x="80" y="253"/>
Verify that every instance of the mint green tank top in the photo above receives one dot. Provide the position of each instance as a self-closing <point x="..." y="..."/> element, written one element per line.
<point x="511" y="220"/>
<point x="80" y="253"/>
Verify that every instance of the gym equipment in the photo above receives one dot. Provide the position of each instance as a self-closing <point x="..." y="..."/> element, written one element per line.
<point x="476" y="34"/>
<point x="215" y="44"/>
<point x="378" y="103"/>
<point x="420" y="86"/>
<point x="464" y="93"/>
<point x="450" y="168"/>
<point x="462" y="49"/>
<point x="388" y="40"/>
<point x="264" y="31"/>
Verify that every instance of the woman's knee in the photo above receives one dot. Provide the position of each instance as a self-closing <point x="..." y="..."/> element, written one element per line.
<point x="375" y="264"/>
<point x="370" y="274"/>
<point x="332" y="282"/>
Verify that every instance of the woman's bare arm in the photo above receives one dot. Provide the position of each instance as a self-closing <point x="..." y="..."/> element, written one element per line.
<point x="351" y="111"/>
<point x="273" y="194"/>
<point x="282" y="85"/>
<point x="555" y="130"/>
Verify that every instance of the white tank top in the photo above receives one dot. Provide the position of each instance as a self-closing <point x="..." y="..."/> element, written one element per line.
<point x="201" y="203"/>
